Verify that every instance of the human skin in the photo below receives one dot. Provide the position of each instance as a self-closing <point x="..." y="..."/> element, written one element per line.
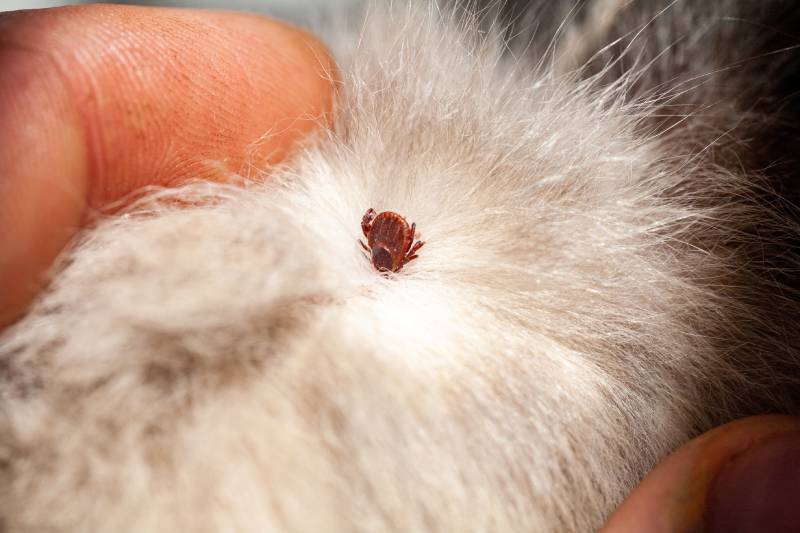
<point x="732" y="479"/>
<point x="100" y="101"/>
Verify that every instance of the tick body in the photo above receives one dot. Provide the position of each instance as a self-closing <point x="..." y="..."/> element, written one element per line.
<point x="390" y="240"/>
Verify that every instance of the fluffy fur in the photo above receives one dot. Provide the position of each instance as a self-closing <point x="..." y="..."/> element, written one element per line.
<point x="607" y="273"/>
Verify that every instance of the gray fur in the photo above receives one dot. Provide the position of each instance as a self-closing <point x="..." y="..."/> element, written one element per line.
<point x="599" y="284"/>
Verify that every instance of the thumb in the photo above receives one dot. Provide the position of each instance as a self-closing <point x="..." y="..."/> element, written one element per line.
<point x="740" y="477"/>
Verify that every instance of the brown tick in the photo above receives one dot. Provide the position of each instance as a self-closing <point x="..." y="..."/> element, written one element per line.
<point x="390" y="241"/>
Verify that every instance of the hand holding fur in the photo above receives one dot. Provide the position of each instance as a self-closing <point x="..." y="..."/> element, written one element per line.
<point x="592" y="293"/>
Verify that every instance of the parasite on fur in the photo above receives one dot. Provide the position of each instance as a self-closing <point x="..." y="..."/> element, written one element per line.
<point x="389" y="240"/>
<point x="615" y="273"/>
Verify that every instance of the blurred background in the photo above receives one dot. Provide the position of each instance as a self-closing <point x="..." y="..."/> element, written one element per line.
<point x="11" y="5"/>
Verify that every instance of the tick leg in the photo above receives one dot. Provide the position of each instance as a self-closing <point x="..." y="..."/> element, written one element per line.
<point x="411" y="255"/>
<point x="411" y="249"/>
<point x="417" y="246"/>
<point x="364" y="246"/>
<point x="366" y="221"/>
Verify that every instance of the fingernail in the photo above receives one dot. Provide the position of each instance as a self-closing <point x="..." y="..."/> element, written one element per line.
<point x="759" y="490"/>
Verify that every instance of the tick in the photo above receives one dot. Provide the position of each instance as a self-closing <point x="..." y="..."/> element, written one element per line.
<point x="390" y="240"/>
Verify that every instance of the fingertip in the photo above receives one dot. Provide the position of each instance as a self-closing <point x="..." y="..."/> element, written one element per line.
<point x="99" y="101"/>
<point x="296" y="77"/>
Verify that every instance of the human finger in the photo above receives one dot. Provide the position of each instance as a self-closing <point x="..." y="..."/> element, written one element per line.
<point x="99" y="101"/>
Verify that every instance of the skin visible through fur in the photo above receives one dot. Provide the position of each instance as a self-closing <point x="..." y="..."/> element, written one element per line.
<point x="603" y="278"/>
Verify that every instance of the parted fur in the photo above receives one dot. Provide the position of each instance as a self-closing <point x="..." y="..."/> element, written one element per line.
<point x="608" y="271"/>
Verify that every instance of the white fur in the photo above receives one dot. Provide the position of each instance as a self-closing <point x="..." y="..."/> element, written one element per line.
<point x="239" y="365"/>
